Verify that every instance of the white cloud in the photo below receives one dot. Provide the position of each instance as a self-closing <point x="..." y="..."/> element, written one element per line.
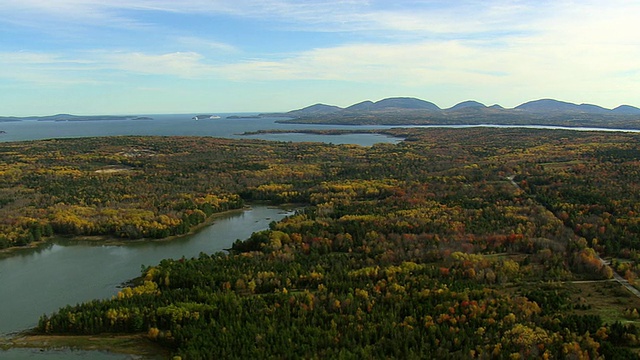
<point x="179" y="64"/>
<point x="43" y="69"/>
<point x="537" y="66"/>
<point x="61" y="15"/>
<point x="311" y="15"/>
<point x="455" y="17"/>
<point x="582" y="51"/>
<point x="205" y="44"/>
<point x="46" y="69"/>
<point x="426" y="62"/>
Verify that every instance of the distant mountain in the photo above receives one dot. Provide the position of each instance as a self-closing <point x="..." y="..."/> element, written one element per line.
<point x="546" y="105"/>
<point x="408" y="110"/>
<point x="593" y="109"/>
<point x="468" y="104"/>
<point x="361" y="106"/>
<point x="626" y="110"/>
<point x="554" y="106"/>
<point x="406" y="103"/>
<point x="403" y="103"/>
<point x="317" y="109"/>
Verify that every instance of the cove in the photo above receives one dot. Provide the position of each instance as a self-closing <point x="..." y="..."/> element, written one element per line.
<point x="66" y="272"/>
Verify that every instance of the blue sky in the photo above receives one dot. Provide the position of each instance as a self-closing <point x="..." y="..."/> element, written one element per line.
<point x="187" y="56"/>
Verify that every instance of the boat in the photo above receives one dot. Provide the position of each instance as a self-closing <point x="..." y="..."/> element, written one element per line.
<point x="202" y="117"/>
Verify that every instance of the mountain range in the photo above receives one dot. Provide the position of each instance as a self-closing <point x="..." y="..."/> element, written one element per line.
<point x="543" y="106"/>
<point x="411" y="111"/>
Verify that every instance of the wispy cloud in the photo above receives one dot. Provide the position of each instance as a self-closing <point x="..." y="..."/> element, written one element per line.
<point x="572" y="50"/>
<point x="98" y="66"/>
<point x="66" y="15"/>
<point x="311" y="15"/>
<point x="409" y="64"/>
<point x="205" y="44"/>
<point x="422" y="17"/>
<point x="445" y="20"/>
<point x="179" y="64"/>
<point x="44" y="69"/>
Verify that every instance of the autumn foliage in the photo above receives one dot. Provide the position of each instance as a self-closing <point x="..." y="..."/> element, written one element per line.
<point x="451" y="244"/>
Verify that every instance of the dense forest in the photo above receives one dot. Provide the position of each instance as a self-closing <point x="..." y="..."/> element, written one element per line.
<point x="467" y="243"/>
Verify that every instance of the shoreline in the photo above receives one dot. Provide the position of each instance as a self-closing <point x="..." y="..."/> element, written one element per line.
<point x="126" y="344"/>
<point x="115" y="241"/>
<point x="32" y="245"/>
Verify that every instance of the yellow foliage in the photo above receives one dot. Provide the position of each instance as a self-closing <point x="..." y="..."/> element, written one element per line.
<point x="153" y="333"/>
<point x="362" y="293"/>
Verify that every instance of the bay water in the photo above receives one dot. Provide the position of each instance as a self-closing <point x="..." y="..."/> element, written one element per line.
<point x="183" y="125"/>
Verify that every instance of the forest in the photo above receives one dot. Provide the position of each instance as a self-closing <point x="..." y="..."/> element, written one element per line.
<point x="454" y="243"/>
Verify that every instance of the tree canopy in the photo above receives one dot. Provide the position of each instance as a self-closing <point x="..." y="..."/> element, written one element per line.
<point x="455" y="243"/>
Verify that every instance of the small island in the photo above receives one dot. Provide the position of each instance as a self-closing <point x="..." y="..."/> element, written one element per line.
<point x="68" y="117"/>
<point x="244" y="117"/>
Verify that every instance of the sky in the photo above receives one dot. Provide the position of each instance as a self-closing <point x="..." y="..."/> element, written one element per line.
<point x="189" y="56"/>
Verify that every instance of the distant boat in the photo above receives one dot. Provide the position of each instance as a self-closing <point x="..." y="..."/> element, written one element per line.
<point x="202" y="117"/>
